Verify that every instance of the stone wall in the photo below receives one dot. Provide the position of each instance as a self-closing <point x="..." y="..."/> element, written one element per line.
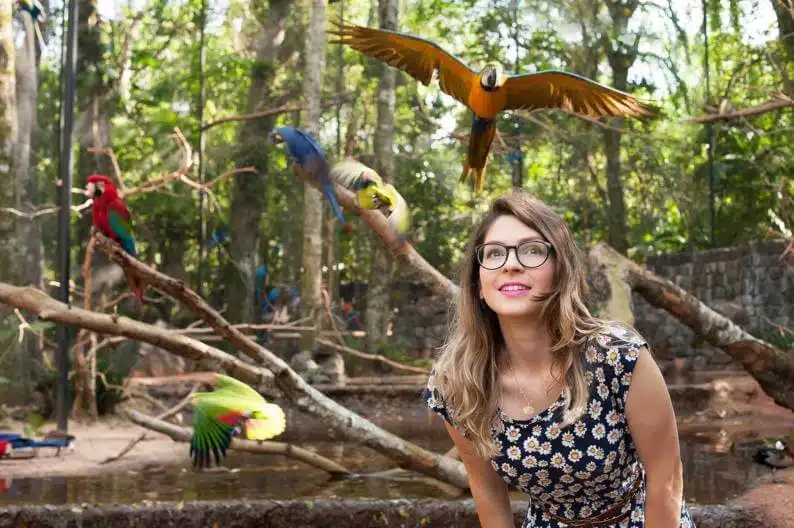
<point x="749" y="284"/>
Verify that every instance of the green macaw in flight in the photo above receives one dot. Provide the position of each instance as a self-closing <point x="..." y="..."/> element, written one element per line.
<point x="233" y="407"/>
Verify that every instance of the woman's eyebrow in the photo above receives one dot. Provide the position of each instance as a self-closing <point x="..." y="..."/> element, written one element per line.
<point x="521" y="240"/>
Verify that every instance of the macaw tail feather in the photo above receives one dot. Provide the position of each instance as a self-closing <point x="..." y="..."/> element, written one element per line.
<point x="128" y="245"/>
<point x="329" y="193"/>
<point x="479" y="179"/>
<point x="137" y="286"/>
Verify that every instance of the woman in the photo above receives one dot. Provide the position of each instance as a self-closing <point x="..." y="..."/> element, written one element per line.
<point x="539" y="394"/>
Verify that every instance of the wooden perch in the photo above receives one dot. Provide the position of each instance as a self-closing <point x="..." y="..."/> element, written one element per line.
<point x="772" y="367"/>
<point x="183" y="434"/>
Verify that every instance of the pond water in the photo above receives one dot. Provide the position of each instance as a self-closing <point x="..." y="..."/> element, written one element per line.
<point x="714" y="473"/>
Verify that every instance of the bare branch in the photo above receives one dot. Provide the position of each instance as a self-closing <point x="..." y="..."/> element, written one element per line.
<point x="371" y="357"/>
<point x="112" y="155"/>
<point x="48" y="309"/>
<point x="183" y="434"/>
<point x="255" y="115"/>
<point x="777" y="102"/>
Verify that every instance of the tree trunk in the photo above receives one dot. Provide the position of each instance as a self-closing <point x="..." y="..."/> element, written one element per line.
<point x="620" y="57"/>
<point x="30" y="256"/>
<point x="378" y="313"/>
<point x="96" y="103"/>
<point x="8" y="140"/>
<point x="248" y="194"/>
<point x="772" y="367"/>
<point x="311" y="280"/>
<point x="785" y="24"/>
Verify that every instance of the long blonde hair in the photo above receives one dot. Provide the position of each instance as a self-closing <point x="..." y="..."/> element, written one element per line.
<point x="466" y="369"/>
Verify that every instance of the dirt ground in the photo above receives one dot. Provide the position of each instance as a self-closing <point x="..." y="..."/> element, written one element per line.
<point x="95" y="443"/>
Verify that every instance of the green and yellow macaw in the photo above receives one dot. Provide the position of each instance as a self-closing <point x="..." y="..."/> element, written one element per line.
<point x="233" y="407"/>
<point x="490" y="91"/>
<point x="373" y="193"/>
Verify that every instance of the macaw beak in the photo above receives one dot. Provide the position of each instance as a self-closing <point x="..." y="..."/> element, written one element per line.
<point x="276" y="138"/>
<point x="90" y="188"/>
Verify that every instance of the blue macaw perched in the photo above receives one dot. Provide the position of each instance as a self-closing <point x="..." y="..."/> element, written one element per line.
<point x="310" y="157"/>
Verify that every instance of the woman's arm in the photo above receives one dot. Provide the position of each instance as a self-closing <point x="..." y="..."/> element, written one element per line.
<point x="651" y="420"/>
<point x="487" y="487"/>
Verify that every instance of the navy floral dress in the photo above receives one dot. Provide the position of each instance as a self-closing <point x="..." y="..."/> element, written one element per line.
<point x="584" y="469"/>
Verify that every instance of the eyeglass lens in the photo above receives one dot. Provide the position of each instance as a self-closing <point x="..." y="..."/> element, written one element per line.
<point x="531" y="254"/>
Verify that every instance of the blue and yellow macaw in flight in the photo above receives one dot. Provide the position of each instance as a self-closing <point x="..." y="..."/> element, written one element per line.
<point x="233" y="407"/>
<point x="373" y="193"/>
<point x="490" y="91"/>
<point x="310" y="158"/>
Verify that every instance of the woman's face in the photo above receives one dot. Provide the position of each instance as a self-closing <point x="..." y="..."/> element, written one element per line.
<point x="511" y="290"/>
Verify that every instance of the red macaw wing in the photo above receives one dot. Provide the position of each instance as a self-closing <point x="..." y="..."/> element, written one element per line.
<point x="416" y="56"/>
<point x="568" y="91"/>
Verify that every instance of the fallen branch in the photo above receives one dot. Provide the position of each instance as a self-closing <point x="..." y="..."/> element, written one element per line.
<point x="48" y="309"/>
<point x="371" y="357"/>
<point x="183" y="434"/>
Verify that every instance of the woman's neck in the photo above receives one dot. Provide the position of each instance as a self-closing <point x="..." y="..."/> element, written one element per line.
<point x="527" y="344"/>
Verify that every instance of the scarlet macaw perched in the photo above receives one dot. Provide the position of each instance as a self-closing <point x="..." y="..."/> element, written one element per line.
<point x="221" y="413"/>
<point x="491" y="91"/>
<point x="372" y="193"/>
<point x="310" y="157"/>
<point x="110" y="215"/>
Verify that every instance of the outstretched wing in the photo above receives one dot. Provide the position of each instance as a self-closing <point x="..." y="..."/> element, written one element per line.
<point x="228" y="386"/>
<point x="213" y="426"/>
<point x="416" y="56"/>
<point x="571" y="92"/>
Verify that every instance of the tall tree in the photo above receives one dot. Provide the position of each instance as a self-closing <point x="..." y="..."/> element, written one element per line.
<point x="95" y="92"/>
<point x="248" y="193"/>
<point x="377" y="314"/>
<point x="8" y="138"/>
<point x="30" y="256"/>
<point x="621" y="55"/>
<point x="311" y="280"/>
<point x="8" y="134"/>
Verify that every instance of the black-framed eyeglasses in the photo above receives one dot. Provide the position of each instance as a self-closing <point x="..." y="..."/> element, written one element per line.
<point x="530" y="254"/>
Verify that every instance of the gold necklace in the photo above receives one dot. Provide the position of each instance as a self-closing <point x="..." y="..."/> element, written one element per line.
<point x="528" y="409"/>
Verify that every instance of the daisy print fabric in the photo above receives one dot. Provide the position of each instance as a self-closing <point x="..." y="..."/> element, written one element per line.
<point x="583" y="469"/>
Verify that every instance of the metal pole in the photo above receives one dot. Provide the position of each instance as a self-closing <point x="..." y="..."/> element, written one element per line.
<point x="518" y="168"/>
<point x="64" y="212"/>
<point x="201" y="167"/>
<point x="709" y="130"/>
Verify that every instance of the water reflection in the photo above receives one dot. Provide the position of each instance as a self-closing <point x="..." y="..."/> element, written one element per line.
<point x="713" y="474"/>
